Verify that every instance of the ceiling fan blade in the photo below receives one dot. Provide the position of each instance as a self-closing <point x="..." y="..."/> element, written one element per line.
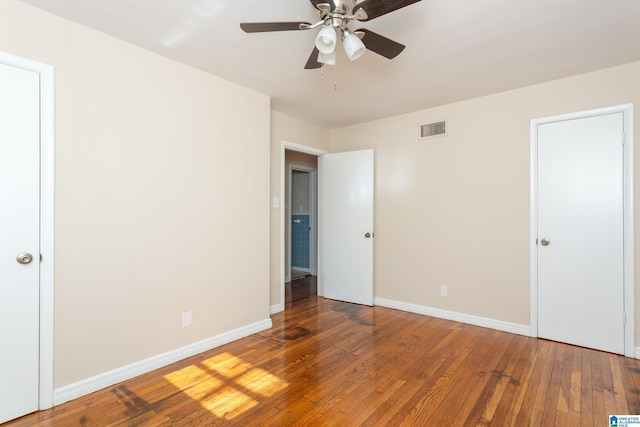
<point x="261" y="27"/>
<point x="380" y="44"/>
<point x="371" y="9"/>
<point x="312" y="62"/>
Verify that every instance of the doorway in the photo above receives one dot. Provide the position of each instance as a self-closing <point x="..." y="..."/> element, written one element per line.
<point x="301" y="203"/>
<point x="582" y="278"/>
<point x="289" y="153"/>
<point x="351" y="165"/>
<point x="26" y="255"/>
<point x="303" y="224"/>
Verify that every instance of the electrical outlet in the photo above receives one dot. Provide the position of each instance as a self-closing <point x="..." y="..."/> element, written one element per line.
<point x="187" y="319"/>
<point x="443" y="291"/>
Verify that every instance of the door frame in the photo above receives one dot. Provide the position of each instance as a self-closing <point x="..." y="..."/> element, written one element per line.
<point x="313" y="270"/>
<point x="628" y="217"/>
<point x="292" y="146"/>
<point x="46" y="73"/>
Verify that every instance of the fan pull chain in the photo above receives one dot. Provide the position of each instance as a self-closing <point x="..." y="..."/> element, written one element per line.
<point x="335" y="76"/>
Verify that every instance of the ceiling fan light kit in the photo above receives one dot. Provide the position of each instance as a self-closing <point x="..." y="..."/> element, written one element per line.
<point x="335" y="16"/>
<point x="326" y="40"/>
<point x="353" y="46"/>
<point x="327" y="58"/>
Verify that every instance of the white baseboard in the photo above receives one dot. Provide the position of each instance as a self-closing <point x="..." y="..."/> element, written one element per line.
<point x="107" y="379"/>
<point x="276" y="308"/>
<point x="499" y="325"/>
<point x="637" y="355"/>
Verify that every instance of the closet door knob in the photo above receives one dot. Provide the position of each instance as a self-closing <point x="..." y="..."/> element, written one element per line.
<point x="24" y="258"/>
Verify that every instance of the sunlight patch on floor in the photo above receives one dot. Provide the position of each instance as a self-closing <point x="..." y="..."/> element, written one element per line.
<point x="225" y="385"/>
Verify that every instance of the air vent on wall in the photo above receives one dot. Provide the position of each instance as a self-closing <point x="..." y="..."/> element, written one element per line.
<point x="433" y="129"/>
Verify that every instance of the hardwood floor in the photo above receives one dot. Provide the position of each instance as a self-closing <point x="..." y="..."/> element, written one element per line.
<point x="299" y="274"/>
<point x="329" y="363"/>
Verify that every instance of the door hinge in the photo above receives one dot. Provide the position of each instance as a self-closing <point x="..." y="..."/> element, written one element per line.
<point x="624" y="317"/>
<point x="623" y="138"/>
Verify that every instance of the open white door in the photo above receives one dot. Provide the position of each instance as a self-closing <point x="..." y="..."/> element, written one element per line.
<point x="347" y="226"/>
<point x="19" y="241"/>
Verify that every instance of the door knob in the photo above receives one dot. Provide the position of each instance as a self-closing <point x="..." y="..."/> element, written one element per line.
<point x="367" y="235"/>
<point x="545" y="242"/>
<point x="24" y="258"/>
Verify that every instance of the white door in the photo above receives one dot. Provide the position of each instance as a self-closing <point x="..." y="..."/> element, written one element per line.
<point x="347" y="231"/>
<point x="19" y="234"/>
<point x="580" y="232"/>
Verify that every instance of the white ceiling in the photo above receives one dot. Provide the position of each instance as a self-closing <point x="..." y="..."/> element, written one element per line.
<point x="456" y="49"/>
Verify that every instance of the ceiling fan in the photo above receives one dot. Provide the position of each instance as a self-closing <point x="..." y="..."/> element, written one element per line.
<point x="335" y="16"/>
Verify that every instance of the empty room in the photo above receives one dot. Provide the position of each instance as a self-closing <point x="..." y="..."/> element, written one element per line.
<point x="371" y="212"/>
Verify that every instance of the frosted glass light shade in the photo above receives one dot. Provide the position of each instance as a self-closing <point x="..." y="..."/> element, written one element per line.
<point x="326" y="40"/>
<point x="327" y="58"/>
<point x="353" y="46"/>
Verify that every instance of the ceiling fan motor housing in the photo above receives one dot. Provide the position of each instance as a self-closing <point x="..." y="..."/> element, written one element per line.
<point x="343" y="6"/>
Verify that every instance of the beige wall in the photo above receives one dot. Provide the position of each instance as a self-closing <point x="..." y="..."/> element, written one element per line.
<point x="455" y="210"/>
<point x="144" y="225"/>
<point x="286" y="128"/>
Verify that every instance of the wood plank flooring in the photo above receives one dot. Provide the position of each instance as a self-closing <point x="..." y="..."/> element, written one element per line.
<point x="328" y="363"/>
